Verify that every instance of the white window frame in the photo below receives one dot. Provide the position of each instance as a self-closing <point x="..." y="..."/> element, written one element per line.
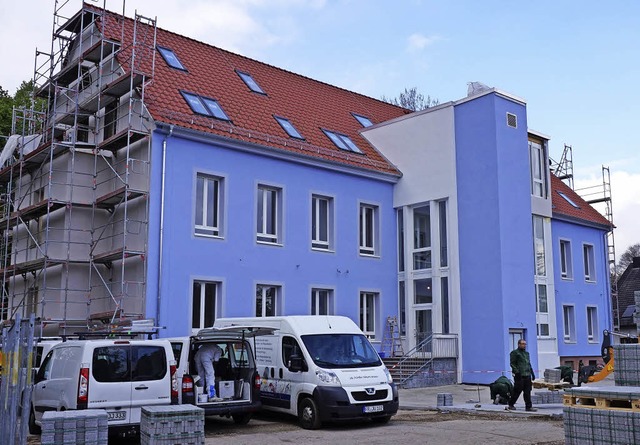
<point x="592" y="324"/>
<point x="417" y="248"/>
<point x="588" y="258"/>
<point x="265" y="233"/>
<point x="261" y="292"/>
<point x="569" y="323"/>
<point x="206" y="202"/>
<point x="319" y="294"/>
<point x="542" y="313"/>
<point x="369" y="217"/>
<point x="538" y="171"/>
<point x="203" y="303"/>
<point x="566" y="260"/>
<point x="318" y="222"/>
<point x="368" y="313"/>
<point x="539" y="246"/>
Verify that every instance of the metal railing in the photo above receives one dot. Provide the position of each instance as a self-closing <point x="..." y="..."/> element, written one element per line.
<point x="433" y="346"/>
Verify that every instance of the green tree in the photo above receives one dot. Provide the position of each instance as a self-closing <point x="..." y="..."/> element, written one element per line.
<point x="6" y="107"/>
<point x="411" y="99"/>
<point x="21" y="99"/>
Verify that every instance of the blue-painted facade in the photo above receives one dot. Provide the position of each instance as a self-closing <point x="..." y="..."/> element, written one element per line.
<point x="576" y="291"/>
<point x="237" y="261"/>
<point x="494" y="218"/>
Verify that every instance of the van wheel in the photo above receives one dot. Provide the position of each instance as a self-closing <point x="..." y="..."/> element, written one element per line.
<point x="381" y="420"/>
<point x="308" y="414"/>
<point x="241" y="419"/>
<point x="33" y="428"/>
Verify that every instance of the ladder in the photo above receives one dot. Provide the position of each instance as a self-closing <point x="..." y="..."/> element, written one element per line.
<point x="391" y="342"/>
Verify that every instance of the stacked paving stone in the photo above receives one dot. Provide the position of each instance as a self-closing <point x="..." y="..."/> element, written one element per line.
<point x="82" y="427"/>
<point x="445" y="399"/>
<point x="552" y="375"/>
<point x="546" y="397"/>
<point x="172" y="425"/>
<point x="627" y="365"/>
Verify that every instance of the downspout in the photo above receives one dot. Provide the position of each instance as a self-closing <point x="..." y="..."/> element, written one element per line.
<point x="160" y="249"/>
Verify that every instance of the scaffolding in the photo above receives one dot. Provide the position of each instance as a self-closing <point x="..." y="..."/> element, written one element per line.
<point x="75" y="202"/>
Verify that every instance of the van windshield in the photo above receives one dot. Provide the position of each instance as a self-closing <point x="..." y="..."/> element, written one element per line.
<point x="341" y="350"/>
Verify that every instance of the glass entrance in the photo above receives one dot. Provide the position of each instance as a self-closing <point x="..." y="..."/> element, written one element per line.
<point x="424" y="329"/>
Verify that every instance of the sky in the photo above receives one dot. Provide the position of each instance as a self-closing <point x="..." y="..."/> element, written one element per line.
<point x="575" y="62"/>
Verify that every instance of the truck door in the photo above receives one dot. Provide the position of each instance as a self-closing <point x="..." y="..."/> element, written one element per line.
<point x="291" y="381"/>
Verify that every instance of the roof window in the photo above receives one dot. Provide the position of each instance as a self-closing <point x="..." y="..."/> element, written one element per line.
<point x="251" y="83"/>
<point x="364" y="121"/>
<point x="288" y="127"/>
<point x="342" y="141"/>
<point x="569" y="200"/>
<point x="170" y="57"/>
<point x="205" y="106"/>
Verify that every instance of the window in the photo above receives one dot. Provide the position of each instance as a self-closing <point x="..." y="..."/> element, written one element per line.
<point x="566" y="266"/>
<point x="267" y="301"/>
<point x="204" y="106"/>
<point x="592" y="324"/>
<point x="400" y="240"/>
<point x="569" y="200"/>
<point x="368" y="229"/>
<point x="208" y="205"/>
<point x="342" y="141"/>
<point x="569" y="316"/>
<point x="203" y="311"/>
<point x="538" y="170"/>
<point x="421" y="238"/>
<point x="269" y="214"/>
<point x="321" y="222"/>
<point x="170" y="57"/>
<point x="402" y="308"/>
<point x="251" y="83"/>
<point x="110" y="120"/>
<point x="442" y="213"/>
<point x="542" y="309"/>
<point x="589" y="260"/>
<point x="290" y="347"/>
<point x="321" y="302"/>
<point x="288" y="127"/>
<point x="364" y="121"/>
<point x="368" y="313"/>
<point x="539" y="246"/>
<point x="444" y="296"/>
<point x="423" y="291"/>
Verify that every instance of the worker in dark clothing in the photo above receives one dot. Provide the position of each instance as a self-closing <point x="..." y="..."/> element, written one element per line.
<point x="522" y="376"/>
<point x="566" y="374"/>
<point x="501" y="390"/>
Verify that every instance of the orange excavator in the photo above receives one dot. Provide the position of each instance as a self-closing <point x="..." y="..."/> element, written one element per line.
<point x="590" y="373"/>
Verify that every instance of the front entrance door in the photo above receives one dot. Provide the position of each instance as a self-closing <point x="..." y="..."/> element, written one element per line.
<point x="424" y="329"/>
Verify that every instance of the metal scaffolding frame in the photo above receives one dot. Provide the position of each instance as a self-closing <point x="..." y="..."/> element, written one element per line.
<point x="76" y="208"/>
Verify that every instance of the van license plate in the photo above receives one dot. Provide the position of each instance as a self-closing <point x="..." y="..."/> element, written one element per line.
<point x="373" y="409"/>
<point x="116" y="415"/>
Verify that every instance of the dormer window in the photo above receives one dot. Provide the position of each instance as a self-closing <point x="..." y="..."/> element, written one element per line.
<point x="569" y="200"/>
<point x="288" y="127"/>
<point x="251" y="83"/>
<point x="364" y="121"/>
<point x="342" y="141"/>
<point x="170" y="57"/>
<point x="205" y="106"/>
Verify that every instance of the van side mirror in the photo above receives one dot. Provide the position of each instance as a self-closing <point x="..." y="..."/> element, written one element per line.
<point x="296" y="363"/>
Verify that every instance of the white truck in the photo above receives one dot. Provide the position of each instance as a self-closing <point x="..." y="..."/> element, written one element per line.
<point x="320" y="369"/>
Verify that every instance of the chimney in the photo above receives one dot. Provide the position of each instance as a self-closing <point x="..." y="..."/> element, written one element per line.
<point x="636" y="262"/>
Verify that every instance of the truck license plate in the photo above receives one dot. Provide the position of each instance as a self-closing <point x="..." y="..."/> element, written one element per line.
<point x="373" y="409"/>
<point x="116" y="415"/>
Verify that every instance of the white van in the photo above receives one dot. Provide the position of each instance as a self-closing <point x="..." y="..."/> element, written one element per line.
<point x="321" y="369"/>
<point x="119" y="376"/>
<point x="237" y="380"/>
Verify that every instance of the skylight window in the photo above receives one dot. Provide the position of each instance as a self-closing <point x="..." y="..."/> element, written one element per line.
<point x="170" y="57"/>
<point x="569" y="200"/>
<point x="364" y="121"/>
<point x="288" y="127"/>
<point x="342" y="141"/>
<point x="251" y="83"/>
<point x="205" y="106"/>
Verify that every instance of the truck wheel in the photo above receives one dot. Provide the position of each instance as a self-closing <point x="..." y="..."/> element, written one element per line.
<point x="33" y="428"/>
<point x="308" y="414"/>
<point x="241" y="419"/>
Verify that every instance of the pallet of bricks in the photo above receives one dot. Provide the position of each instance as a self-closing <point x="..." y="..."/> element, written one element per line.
<point x="82" y="427"/>
<point x="607" y="415"/>
<point x="172" y="425"/>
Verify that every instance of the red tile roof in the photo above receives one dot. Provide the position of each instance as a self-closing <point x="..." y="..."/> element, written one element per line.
<point x="562" y="208"/>
<point x="310" y="105"/>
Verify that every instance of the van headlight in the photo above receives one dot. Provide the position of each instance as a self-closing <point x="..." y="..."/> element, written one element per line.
<point x="327" y="377"/>
<point x="388" y="374"/>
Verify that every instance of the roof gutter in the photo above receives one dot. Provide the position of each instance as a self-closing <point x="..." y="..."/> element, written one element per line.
<point x="161" y="236"/>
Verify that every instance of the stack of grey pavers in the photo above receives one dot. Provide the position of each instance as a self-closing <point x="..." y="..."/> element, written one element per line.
<point x="172" y="425"/>
<point x="82" y="427"/>
<point x="607" y="415"/>
<point x="545" y="397"/>
<point x="445" y="399"/>
<point x="552" y="375"/>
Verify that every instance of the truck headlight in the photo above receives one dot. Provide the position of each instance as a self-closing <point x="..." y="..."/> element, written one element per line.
<point x="328" y="377"/>
<point x="388" y="374"/>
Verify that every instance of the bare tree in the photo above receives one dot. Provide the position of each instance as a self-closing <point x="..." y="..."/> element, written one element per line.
<point x="627" y="257"/>
<point x="411" y="99"/>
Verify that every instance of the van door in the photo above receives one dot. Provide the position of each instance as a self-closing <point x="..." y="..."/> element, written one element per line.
<point x="289" y="382"/>
<point x="110" y="382"/>
<point x="150" y="378"/>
